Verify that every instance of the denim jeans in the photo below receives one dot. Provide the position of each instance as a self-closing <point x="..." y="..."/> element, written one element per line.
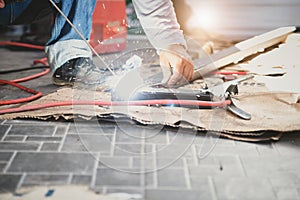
<point x="64" y="44"/>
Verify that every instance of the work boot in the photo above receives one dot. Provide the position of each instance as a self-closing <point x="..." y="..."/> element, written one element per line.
<point x="79" y="70"/>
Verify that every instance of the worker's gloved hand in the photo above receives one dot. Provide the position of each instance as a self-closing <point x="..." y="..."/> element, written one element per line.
<point x="177" y="66"/>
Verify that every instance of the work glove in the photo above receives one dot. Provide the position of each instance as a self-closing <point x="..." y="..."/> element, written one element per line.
<point x="177" y="66"/>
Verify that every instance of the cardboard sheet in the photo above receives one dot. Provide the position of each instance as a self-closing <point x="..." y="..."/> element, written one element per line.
<point x="270" y="112"/>
<point x="273" y="111"/>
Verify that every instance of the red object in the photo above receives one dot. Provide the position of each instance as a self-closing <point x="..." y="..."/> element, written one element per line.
<point x="116" y="103"/>
<point x="230" y="72"/>
<point x="35" y="96"/>
<point x="109" y="29"/>
<point x="42" y="61"/>
<point x="19" y="44"/>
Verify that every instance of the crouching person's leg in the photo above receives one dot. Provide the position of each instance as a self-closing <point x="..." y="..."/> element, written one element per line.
<point x="70" y="58"/>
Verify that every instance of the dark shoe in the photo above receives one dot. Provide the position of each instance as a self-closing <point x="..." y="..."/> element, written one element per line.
<point x="81" y="70"/>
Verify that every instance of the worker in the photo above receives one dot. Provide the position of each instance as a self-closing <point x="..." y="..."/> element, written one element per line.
<point x="70" y="58"/>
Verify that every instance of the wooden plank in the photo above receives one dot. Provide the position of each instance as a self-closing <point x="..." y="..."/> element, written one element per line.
<point x="240" y="51"/>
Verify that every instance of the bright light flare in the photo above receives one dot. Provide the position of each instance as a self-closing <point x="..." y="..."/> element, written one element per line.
<point x="205" y="17"/>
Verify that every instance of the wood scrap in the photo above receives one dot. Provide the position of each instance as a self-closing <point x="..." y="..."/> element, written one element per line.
<point x="240" y="51"/>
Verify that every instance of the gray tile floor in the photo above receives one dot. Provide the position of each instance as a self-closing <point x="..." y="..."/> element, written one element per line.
<point x="131" y="158"/>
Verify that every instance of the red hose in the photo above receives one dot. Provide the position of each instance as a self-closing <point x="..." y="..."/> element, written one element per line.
<point x="28" y="78"/>
<point x="42" y="61"/>
<point x="37" y="94"/>
<point x="13" y="83"/>
<point x="230" y="72"/>
<point x="19" y="44"/>
<point x="116" y="103"/>
<point x="21" y="100"/>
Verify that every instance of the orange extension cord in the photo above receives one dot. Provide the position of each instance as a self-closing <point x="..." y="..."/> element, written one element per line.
<point x="70" y="103"/>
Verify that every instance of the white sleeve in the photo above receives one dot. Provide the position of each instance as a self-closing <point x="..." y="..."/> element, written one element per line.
<point x="159" y="22"/>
